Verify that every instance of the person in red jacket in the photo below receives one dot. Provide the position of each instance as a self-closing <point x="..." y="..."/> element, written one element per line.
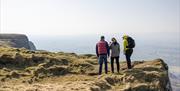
<point x="102" y="52"/>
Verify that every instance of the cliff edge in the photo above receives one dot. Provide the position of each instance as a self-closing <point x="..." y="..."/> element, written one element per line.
<point x="16" y="40"/>
<point x="25" y="70"/>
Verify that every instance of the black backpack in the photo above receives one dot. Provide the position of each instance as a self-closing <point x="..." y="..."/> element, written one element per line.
<point x="131" y="42"/>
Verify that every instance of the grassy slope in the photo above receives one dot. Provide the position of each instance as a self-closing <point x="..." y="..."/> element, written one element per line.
<point x="21" y="69"/>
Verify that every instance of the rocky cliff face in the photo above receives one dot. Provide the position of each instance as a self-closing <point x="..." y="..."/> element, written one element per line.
<point x="32" y="46"/>
<point x="16" y="40"/>
<point x="25" y="70"/>
<point x="175" y="80"/>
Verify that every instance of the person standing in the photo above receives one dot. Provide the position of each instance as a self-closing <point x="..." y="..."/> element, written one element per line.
<point x="102" y="52"/>
<point x="128" y="44"/>
<point x="115" y="52"/>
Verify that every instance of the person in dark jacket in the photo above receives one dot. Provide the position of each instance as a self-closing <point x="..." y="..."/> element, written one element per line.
<point x="127" y="51"/>
<point x="115" y="52"/>
<point x="102" y="52"/>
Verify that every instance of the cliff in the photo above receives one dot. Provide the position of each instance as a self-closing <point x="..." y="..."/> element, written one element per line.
<point x="175" y="81"/>
<point x="25" y="70"/>
<point x="16" y="40"/>
<point x="32" y="46"/>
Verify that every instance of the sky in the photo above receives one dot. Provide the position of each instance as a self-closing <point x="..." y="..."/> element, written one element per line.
<point x="84" y="17"/>
<point x="86" y="20"/>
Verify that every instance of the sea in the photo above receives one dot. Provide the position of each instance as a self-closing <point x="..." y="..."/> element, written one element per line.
<point x="148" y="47"/>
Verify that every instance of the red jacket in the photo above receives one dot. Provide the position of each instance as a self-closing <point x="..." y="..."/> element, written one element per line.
<point x="102" y="48"/>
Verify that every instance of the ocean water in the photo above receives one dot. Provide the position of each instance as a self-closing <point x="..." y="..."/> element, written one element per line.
<point x="148" y="47"/>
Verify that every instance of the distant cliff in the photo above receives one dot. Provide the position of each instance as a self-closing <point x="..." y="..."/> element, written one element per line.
<point x="17" y="41"/>
<point x="26" y="70"/>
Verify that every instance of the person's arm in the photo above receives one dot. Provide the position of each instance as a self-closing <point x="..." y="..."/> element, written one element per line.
<point x="97" y="50"/>
<point x="119" y="48"/>
<point x="125" y="43"/>
<point x="108" y="49"/>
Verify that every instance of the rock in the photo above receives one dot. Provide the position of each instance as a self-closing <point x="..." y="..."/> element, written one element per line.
<point x="175" y="81"/>
<point x="81" y="66"/>
<point x="32" y="46"/>
<point x="103" y="85"/>
<point x="58" y="70"/>
<point x="95" y="88"/>
<point x="13" y="74"/>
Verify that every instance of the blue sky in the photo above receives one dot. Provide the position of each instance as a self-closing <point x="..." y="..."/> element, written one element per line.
<point x="79" y="17"/>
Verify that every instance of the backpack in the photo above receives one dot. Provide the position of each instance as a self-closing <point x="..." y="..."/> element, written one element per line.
<point x="131" y="42"/>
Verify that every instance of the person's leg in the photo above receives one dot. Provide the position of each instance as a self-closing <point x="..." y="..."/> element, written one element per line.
<point x="117" y="63"/>
<point x="129" y="62"/>
<point x="130" y="53"/>
<point x="105" y="63"/>
<point x="128" y="59"/>
<point x="100" y="64"/>
<point x="112" y="64"/>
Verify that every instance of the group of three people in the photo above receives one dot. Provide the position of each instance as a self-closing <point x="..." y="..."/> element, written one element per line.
<point x="112" y="50"/>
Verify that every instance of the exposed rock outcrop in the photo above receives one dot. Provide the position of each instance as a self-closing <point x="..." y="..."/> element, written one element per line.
<point x="26" y="70"/>
<point x="16" y="40"/>
<point x="32" y="46"/>
<point x="175" y="80"/>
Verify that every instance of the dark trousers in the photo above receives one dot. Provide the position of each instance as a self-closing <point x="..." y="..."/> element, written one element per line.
<point x="128" y="57"/>
<point x="112" y="64"/>
<point x="103" y="59"/>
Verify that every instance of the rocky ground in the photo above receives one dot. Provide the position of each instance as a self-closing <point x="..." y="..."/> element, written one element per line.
<point x="25" y="70"/>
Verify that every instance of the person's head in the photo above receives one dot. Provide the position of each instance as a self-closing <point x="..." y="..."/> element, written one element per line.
<point x="102" y="37"/>
<point x="125" y="36"/>
<point x="113" y="39"/>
